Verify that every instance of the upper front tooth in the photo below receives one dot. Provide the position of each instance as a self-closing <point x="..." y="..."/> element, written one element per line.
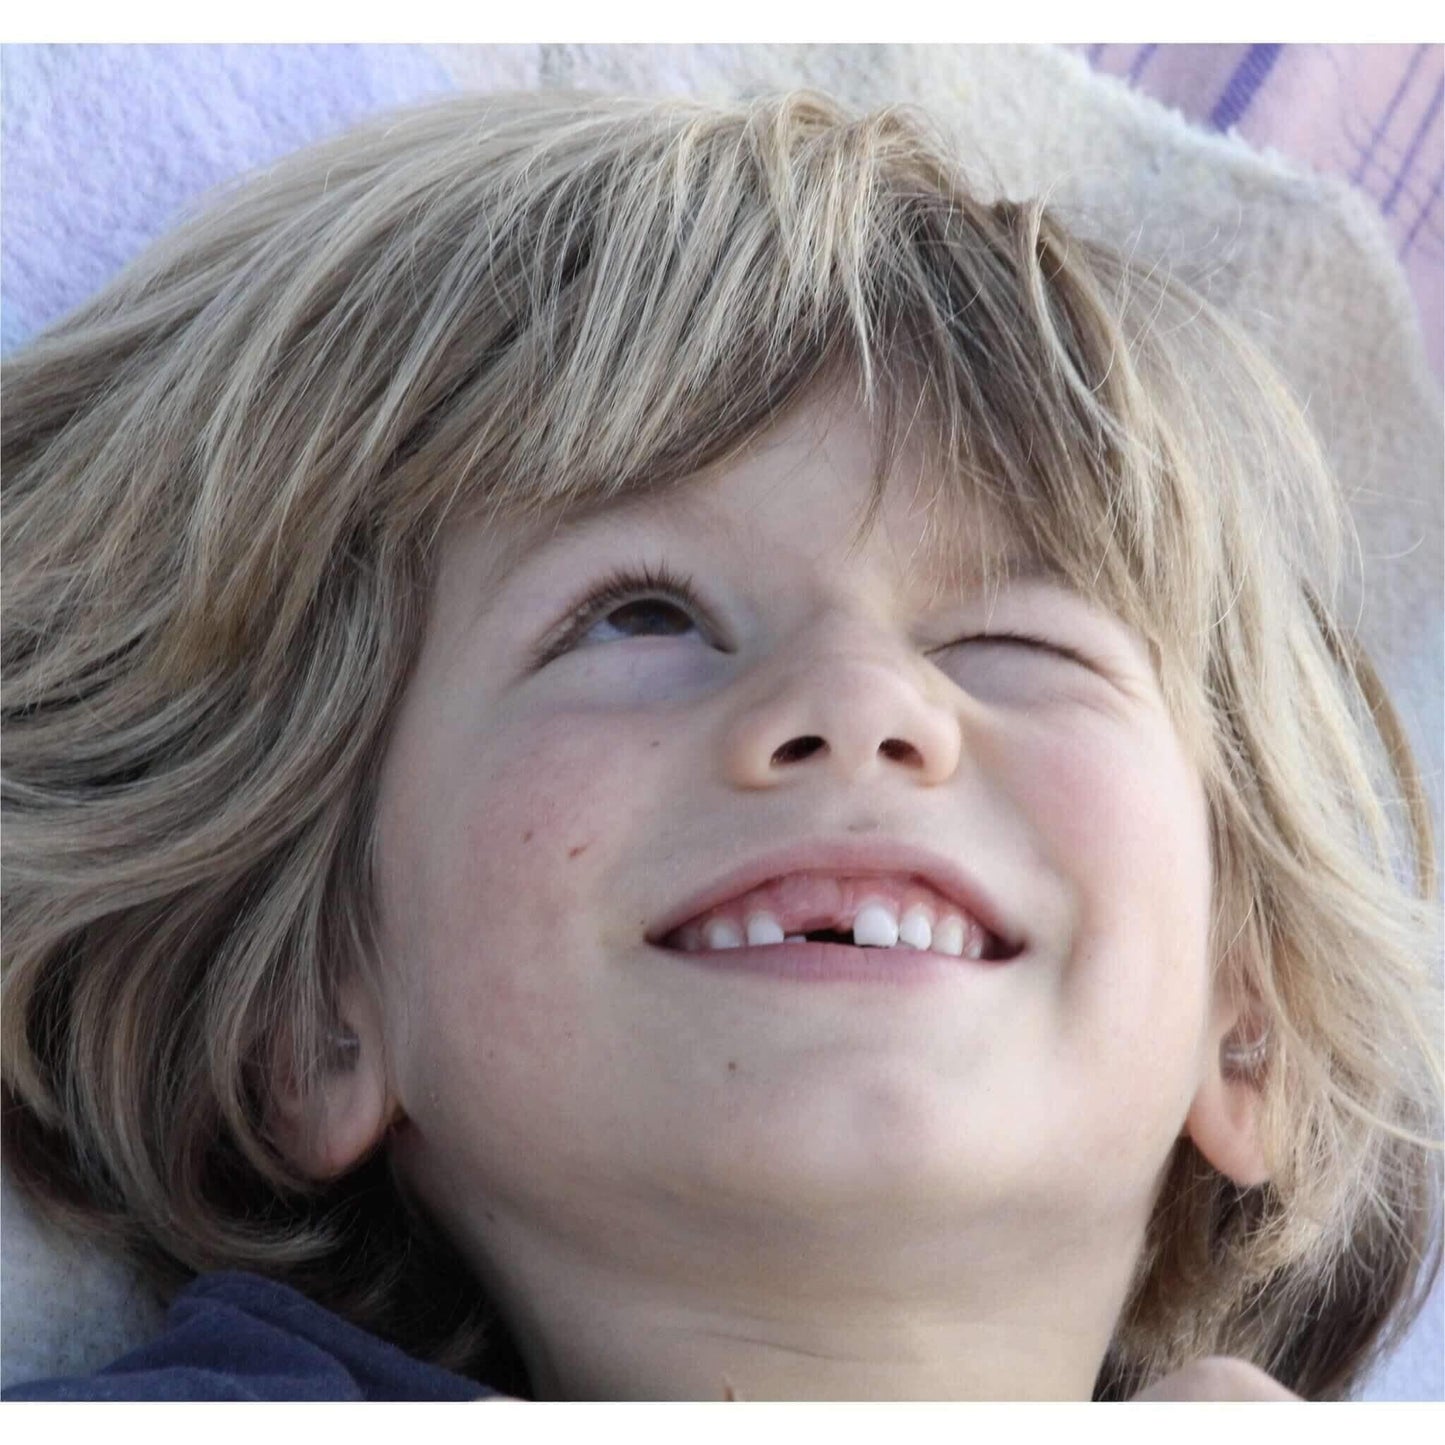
<point x="949" y="935"/>
<point x="875" y="926"/>
<point x="915" y="930"/>
<point x="764" y="928"/>
<point x="721" y="933"/>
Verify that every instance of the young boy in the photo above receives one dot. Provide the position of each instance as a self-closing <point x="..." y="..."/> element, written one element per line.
<point x="654" y="755"/>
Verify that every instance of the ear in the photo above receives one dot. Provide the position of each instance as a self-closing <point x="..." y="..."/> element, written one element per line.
<point x="1223" y="1120"/>
<point x="329" y="1123"/>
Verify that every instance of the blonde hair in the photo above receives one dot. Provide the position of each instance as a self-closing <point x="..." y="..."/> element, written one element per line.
<point x="224" y="483"/>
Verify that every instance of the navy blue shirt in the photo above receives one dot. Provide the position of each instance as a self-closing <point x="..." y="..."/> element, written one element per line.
<point x="235" y="1336"/>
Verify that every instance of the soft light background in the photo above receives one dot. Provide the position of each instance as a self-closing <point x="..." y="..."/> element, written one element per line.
<point x="103" y="146"/>
<point x="1370" y="114"/>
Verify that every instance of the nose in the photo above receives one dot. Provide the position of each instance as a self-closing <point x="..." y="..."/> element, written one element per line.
<point x="856" y="705"/>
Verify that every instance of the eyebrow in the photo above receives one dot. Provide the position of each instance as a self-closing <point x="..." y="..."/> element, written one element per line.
<point x="558" y="531"/>
<point x="1012" y="562"/>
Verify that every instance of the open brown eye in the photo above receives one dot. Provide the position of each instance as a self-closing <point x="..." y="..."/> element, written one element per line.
<point x="634" y="592"/>
<point x="645" y="609"/>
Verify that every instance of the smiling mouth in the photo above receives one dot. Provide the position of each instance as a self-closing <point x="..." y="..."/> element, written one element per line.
<point x="827" y="956"/>
<point x="875" y="931"/>
<point x="988" y="949"/>
<point x="861" y="908"/>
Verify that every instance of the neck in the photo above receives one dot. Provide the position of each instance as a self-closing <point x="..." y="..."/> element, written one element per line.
<point x="923" y="1323"/>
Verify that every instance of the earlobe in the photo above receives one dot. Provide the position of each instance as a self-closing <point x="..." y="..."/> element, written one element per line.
<point x="1224" y="1119"/>
<point x="329" y="1123"/>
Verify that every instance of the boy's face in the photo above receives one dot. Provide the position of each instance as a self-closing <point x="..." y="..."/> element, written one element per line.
<point x="572" y="1090"/>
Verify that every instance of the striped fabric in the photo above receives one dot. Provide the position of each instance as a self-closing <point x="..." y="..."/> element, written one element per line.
<point x="1370" y="114"/>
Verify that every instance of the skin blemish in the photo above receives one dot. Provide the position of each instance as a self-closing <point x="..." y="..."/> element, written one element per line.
<point x="580" y="848"/>
<point x="732" y="1066"/>
<point x="527" y="836"/>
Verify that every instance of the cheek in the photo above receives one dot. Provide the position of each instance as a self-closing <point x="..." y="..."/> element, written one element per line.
<point x="491" y="830"/>
<point x="487" y="847"/>
<point x="1121" y="817"/>
<point x="1121" y="821"/>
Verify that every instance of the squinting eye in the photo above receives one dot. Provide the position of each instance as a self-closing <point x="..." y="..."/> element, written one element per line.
<point x="1024" y="639"/>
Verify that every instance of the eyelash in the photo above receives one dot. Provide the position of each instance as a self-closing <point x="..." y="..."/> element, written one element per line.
<point x="626" y="584"/>
<point x="631" y="584"/>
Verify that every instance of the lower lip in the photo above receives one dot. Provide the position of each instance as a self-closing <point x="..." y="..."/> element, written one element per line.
<point x="836" y="963"/>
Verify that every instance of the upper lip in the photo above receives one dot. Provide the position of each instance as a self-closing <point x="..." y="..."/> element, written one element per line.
<point x="854" y="857"/>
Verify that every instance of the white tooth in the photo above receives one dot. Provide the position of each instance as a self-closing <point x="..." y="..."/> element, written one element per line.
<point x="948" y="936"/>
<point x="764" y="928"/>
<point x="876" y="926"/>
<point x="973" y="945"/>
<point x="722" y="933"/>
<point x="915" y="930"/>
<point x="796" y="938"/>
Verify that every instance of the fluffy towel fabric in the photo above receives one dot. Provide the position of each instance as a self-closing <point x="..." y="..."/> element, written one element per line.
<point x="1368" y="113"/>
<point x="103" y="146"/>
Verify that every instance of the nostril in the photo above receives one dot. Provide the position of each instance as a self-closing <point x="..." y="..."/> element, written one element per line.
<point x="798" y="749"/>
<point x="899" y="751"/>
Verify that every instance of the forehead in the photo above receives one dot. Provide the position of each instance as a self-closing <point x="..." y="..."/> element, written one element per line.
<point x="803" y="491"/>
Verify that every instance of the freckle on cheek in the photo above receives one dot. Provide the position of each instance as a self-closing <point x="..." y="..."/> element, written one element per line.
<point x="580" y="848"/>
<point x="527" y="836"/>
